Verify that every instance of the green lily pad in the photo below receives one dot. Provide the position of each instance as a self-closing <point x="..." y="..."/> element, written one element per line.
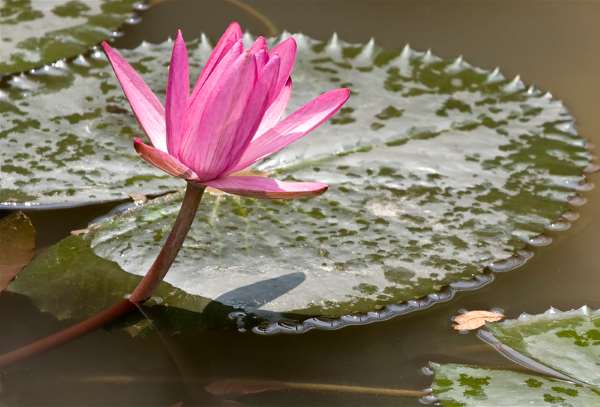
<point x="568" y="342"/>
<point x="39" y="32"/>
<point x="66" y="133"/>
<point x="437" y="171"/>
<point x="563" y="345"/>
<point x="469" y="386"/>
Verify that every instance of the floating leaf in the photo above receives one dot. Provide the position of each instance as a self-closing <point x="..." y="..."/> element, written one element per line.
<point x="568" y="342"/>
<point x="17" y="245"/>
<point x="467" y="386"/>
<point x="40" y="32"/>
<point x="475" y="319"/>
<point x="560" y="344"/>
<point x="437" y="171"/>
<point x="66" y="134"/>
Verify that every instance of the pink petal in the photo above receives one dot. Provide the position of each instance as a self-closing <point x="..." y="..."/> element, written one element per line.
<point x="198" y="101"/>
<point x="207" y="146"/>
<point x="261" y="58"/>
<point x="231" y="35"/>
<point x="176" y="101"/>
<point x="276" y="110"/>
<point x="255" y="108"/>
<point x="287" y="52"/>
<point x="162" y="160"/>
<point x="263" y="187"/>
<point x="259" y="45"/>
<point x="145" y="105"/>
<point x="293" y="127"/>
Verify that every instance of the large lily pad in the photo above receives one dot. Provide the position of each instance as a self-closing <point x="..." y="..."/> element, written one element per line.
<point x="437" y="170"/>
<point x="40" y="32"/>
<point x="66" y="133"/>
<point x="561" y="344"/>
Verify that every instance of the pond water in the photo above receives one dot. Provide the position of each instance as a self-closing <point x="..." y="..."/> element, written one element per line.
<point x="549" y="43"/>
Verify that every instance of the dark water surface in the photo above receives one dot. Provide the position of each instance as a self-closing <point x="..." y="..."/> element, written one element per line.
<point x="552" y="44"/>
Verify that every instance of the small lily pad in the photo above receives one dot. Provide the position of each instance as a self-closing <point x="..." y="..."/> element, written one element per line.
<point x="17" y="246"/>
<point x="39" y="32"/>
<point x="564" y="345"/>
<point x="568" y="342"/>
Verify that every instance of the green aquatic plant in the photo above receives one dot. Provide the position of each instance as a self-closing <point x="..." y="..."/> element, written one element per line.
<point x="232" y="118"/>
<point x="562" y="349"/>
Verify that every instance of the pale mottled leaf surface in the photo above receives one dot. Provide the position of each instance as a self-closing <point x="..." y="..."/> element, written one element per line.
<point x="66" y="134"/>
<point x="38" y="32"/>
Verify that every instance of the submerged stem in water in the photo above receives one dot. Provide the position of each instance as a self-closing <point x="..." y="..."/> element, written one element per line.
<point x="144" y="290"/>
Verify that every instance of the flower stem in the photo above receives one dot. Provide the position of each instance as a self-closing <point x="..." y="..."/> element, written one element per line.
<point x="144" y="290"/>
<point x="162" y="264"/>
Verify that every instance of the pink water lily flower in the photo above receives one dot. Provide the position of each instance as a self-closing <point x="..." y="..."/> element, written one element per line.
<point x="231" y="119"/>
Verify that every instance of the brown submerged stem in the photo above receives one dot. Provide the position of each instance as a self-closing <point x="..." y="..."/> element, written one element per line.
<point x="240" y="387"/>
<point x="340" y="388"/>
<point x="143" y="291"/>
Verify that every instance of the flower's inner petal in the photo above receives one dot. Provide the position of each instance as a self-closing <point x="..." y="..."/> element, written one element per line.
<point x="276" y="110"/>
<point x="261" y="57"/>
<point x="293" y="127"/>
<point x="287" y="52"/>
<point x="176" y="101"/>
<point x="264" y="187"/>
<point x="145" y="105"/>
<point x="206" y="146"/>
<point x="232" y="34"/>
<point x="162" y="160"/>
<point x="255" y="109"/>
<point x="198" y="101"/>
<point x="259" y="45"/>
